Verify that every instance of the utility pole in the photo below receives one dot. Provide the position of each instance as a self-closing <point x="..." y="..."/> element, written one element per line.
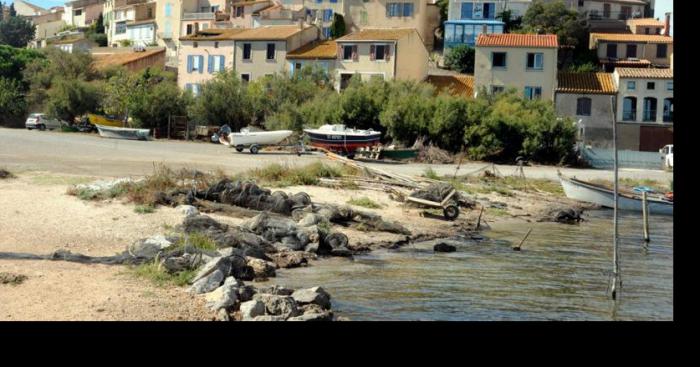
<point x="616" y="284"/>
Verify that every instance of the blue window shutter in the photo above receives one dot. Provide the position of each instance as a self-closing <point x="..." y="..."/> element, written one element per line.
<point x="467" y="10"/>
<point x="222" y="63"/>
<point x="201" y="64"/>
<point x="189" y="64"/>
<point x="210" y="64"/>
<point x="407" y="9"/>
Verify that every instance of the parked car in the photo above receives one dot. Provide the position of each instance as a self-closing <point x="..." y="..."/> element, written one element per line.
<point x="42" y="122"/>
<point x="667" y="156"/>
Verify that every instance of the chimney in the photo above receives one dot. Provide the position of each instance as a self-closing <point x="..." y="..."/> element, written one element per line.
<point x="667" y="29"/>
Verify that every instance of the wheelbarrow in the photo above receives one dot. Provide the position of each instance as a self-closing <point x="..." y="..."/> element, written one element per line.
<point x="450" y="208"/>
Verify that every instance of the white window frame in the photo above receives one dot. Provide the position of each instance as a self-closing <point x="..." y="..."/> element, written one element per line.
<point x="534" y="67"/>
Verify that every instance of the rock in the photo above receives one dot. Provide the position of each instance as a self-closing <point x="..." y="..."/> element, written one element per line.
<point x="240" y="268"/>
<point x="321" y="316"/>
<point x="310" y="219"/>
<point x="276" y="290"/>
<point x="289" y="259"/>
<point x="278" y="305"/>
<point x="223" y="297"/>
<point x="230" y="251"/>
<point x="443" y="247"/>
<point x="498" y="205"/>
<point x="246" y="293"/>
<point x="202" y="223"/>
<point x="150" y="247"/>
<point x="223" y="264"/>
<point x="223" y="315"/>
<point x="208" y="283"/>
<point x="251" y="309"/>
<point x="315" y="295"/>
<point x="175" y="264"/>
<point x="262" y="268"/>
<point x="188" y="210"/>
<point x="269" y="318"/>
<point x="312" y="247"/>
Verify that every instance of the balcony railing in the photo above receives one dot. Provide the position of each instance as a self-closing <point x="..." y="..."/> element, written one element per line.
<point x="198" y="16"/>
<point x="613" y="15"/>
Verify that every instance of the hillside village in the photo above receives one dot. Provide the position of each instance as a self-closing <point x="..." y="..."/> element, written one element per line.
<point x="629" y="81"/>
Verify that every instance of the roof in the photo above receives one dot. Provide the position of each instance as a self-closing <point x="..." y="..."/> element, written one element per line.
<point x="643" y="73"/>
<point x="631" y="2"/>
<point x="377" y="34"/>
<point x="106" y="60"/>
<point x="455" y="84"/>
<point x="639" y="38"/>
<point x="35" y="7"/>
<point x="246" y="3"/>
<point x="269" y="33"/>
<point x="518" y="40"/>
<point x="586" y="83"/>
<point x="66" y="40"/>
<point x="140" y="22"/>
<point x="626" y="62"/>
<point x="213" y="35"/>
<point x="315" y="50"/>
<point x="646" y="22"/>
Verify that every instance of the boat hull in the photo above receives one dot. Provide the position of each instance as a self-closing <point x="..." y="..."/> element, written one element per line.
<point x="122" y="133"/>
<point x="104" y="121"/>
<point x="342" y="142"/>
<point x="258" y="138"/>
<point x="582" y="191"/>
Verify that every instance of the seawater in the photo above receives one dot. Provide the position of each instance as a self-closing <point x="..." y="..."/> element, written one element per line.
<point x="562" y="273"/>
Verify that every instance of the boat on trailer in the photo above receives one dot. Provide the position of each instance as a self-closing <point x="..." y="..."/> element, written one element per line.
<point x="122" y="132"/>
<point x="253" y="139"/>
<point x="603" y="196"/>
<point x="339" y="138"/>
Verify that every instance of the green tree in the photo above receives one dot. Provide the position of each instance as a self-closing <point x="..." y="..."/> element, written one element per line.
<point x="12" y="103"/>
<point x="511" y="24"/>
<point x="338" y="26"/>
<point x="2" y="12"/>
<point x="555" y="18"/>
<point x="408" y="111"/>
<point x="449" y="122"/>
<point x="99" y="25"/>
<point x="13" y="12"/>
<point x="583" y="68"/>
<point x="69" y="98"/>
<point x="214" y="104"/>
<point x="119" y="92"/>
<point x="14" y="60"/>
<point x="16" y="31"/>
<point x="461" y="59"/>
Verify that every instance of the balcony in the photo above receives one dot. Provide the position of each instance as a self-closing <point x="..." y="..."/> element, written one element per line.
<point x="613" y="15"/>
<point x="198" y="16"/>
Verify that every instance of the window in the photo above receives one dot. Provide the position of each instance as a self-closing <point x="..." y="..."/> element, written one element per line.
<point x="327" y="15"/>
<point x="467" y="10"/>
<point x="533" y="93"/>
<point x="239" y="11"/>
<point x="647" y="30"/>
<point x="583" y="106"/>
<point x="661" y="51"/>
<point x="120" y="28"/>
<point x="399" y="9"/>
<point x="150" y="13"/>
<point x="363" y="17"/>
<point x="270" y="51"/>
<point x="379" y="52"/>
<point x="497" y="89"/>
<point x="326" y="32"/>
<point x="78" y="12"/>
<point x="535" y="61"/>
<point x="631" y="85"/>
<point x="629" y="109"/>
<point x="407" y="9"/>
<point x="612" y="51"/>
<point x="347" y="52"/>
<point x="217" y="63"/>
<point x="195" y="63"/>
<point x="668" y="110"/>
<point x="580" y="3"/>
<point x="651" y="85"/>
<point x="168" y="10"/>
<point x="649" y="109"/>
<point x="489" y="11"/>
<point x="189" y="29"/>
<point x="245" y="77"/>
<point x="246" y="51"/>
<point x="669" y="86"/>
<point x="631" y="51"/>
<point x="216" y="44"/>
<point x="498" y="59"/>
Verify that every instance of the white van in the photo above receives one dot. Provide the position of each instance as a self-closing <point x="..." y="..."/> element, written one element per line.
<point x="42" y="122"/>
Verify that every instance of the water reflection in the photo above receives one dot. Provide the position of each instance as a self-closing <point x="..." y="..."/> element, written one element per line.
<point x="562" y="273"/>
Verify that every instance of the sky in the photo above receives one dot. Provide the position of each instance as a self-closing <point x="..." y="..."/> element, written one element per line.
<point x="662" y="6"/>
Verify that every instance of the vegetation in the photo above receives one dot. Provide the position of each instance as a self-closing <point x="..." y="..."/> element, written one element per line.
<point x="364" y="202"/>
<point x="555" y="18"/>
<point x="4" y="174"/>
<point x="11" y="278"/>
<point x="338" y="26"/>
<point x="280" y="176"/>
<point x="461" y="59"/>
<point x="511" y="24"/>
<point x="156" y="274"/>
<point x="16" y="31"/>
<point x="144" y="209"/>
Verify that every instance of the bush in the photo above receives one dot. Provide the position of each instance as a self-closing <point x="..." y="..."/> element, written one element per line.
<point x="461" y="59"/>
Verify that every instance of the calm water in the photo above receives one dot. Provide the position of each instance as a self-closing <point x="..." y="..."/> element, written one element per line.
<point x="562" y="273"/>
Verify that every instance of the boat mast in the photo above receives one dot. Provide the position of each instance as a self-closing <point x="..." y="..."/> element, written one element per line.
<point x="616" y="266"/>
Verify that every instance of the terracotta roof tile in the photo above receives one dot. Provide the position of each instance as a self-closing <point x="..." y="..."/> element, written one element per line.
<point x="618" y="37"/>
<point x="246" y="3"/>
<point x="315" y="50"/>
<point x="518" y="40"/>
<point x="454" y="84"/>
<point x="377" y="34"/>
<point x="106" y="60"/>
<point x="643" y="73"/>
<point x="213" y="35"/>
<point x="586" y="83"/>
<point x="649" y="22"/>
<point x="269" y="33"/>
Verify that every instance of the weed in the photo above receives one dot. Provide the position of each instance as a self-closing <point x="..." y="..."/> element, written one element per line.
<point x="5" y="174"/>
<point x="364" y="202"/>
<point x="431" y="174"/>
<point x="144" y="209"/>
<point x="13" y="279"/>
<point x="153" y="272"/>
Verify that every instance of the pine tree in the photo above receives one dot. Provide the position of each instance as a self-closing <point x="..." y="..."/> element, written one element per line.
<point x="338" y="26"/>
<point x="99" y="26"/>
<point x="2" y="11"/>
<point x="13" y="12"/>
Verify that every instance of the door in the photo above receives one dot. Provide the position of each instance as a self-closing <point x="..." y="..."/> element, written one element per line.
<point x="606" y="11"/>
<point x="653" y="138"/>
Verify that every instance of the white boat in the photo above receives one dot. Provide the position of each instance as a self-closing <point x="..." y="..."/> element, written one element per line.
<point x="122" y="132"/>
<point x="603" y="196"/>
<point x="253" y="139"/>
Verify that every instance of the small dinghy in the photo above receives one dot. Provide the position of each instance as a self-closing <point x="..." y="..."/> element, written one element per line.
<point x="122" y="132"/>
<point x="603" y="196"/>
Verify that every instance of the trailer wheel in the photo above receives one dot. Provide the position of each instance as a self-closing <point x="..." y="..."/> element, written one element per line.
<point x="254" y="149"/>
<point x="451" y="212"/>
<point x="239" y="148"/>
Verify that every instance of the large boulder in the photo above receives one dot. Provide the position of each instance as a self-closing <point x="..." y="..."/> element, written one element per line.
<point x="289" y="259"/>
<point x="202" y="223"/>
<point x="208" y="283"/>
<point x="223" y="264"/>
<point x="262" y="268"/>
<point x="278" y="305"/>
<point x="150" y="247"/>
<point x="320" y="316"/>
<point x="315" y="295"/>
<point x="276" y="290"/>
<point x="251" y="309"/>
<point x="223" y="297"/>
<point x="246" y="293"/>
<point x="269" y="318"/>
<point x="175" y="264"/>
<point x="187" y="210"/>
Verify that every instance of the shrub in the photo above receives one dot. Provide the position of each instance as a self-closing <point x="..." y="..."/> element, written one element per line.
<point x="461" y="59"/>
